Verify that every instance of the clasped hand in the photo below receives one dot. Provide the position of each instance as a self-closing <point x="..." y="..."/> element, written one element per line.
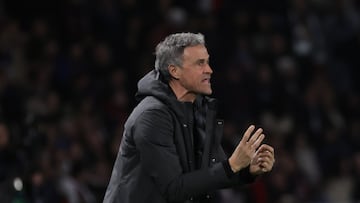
<point x="250" y="152"/>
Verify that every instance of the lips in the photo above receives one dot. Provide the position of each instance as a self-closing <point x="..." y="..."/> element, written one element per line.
<point x="206" y="80"/>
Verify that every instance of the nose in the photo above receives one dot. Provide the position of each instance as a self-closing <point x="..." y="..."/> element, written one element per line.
<point x="208" y="69"/>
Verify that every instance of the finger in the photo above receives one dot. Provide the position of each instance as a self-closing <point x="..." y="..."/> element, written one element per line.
<point x="265" y="159"/>
<point x="265" y="147"/>
<point x="262" y="158"/>
<point x="255" y="136"/>
<point x="266" y="165"/>
<point x="258" y="141"/>
<point x="247" y="134"/>
<point x="264" y="169"/>
<point x="264" y="153"/>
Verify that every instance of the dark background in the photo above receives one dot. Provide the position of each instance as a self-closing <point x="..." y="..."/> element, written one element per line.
<point x="68" y="74"/>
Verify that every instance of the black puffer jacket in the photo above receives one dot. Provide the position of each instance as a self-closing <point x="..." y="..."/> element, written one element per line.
<point x="156" y="161"/>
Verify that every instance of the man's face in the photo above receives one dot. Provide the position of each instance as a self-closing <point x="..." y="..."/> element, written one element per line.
<point x="195" y="71"/>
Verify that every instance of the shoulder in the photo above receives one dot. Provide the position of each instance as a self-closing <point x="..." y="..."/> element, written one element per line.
<point x="149" y="109"/>
<point x="151" y="104"/>
<point x="152" y="122"/>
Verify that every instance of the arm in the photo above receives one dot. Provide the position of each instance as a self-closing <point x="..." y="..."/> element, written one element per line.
<point x="153" y="135"/>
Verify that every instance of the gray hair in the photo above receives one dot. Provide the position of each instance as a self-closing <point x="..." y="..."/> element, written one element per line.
<point x="171" y="50"/>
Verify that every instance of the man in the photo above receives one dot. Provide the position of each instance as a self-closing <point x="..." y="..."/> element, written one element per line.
<point x="170" y="151"/>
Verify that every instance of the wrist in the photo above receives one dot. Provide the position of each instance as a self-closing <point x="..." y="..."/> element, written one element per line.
<point x="229" y="172"/>
<point x="232" y="166"/>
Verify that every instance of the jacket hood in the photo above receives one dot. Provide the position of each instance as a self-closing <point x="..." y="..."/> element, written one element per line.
<point x="152" y="85"/>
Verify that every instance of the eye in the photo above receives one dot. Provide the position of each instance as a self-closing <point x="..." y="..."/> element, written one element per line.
<point x="202" y="62"/>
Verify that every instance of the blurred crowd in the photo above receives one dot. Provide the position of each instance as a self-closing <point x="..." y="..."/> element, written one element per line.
<point x="68" y="74"/>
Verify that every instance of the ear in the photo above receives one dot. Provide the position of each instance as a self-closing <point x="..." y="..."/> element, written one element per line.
<point x="174" y="71"/>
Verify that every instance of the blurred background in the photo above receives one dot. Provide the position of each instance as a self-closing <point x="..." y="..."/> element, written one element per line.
<point x="68" y="74"/>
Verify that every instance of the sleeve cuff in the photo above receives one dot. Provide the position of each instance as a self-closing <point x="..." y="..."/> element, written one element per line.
<point x="246" y="176"/>
<point x="243" y="174"/>
<point x="227" y="168"/>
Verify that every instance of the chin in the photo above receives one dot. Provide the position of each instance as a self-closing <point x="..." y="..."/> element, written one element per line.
<point x="208" y="92"/>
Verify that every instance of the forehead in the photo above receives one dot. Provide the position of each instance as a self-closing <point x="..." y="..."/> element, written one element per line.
<point x="196" y="52"/>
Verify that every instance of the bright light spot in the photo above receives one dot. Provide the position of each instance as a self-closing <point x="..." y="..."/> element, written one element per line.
<point x="18" y="184"/>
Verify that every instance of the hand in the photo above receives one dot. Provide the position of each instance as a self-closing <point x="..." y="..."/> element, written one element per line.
<point x="263" y="160"/>
<point x="246" y="149"/>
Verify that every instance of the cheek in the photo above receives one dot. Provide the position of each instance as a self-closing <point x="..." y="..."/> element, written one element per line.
<point x="189" y="82"/>
<point x="191" y="79"/>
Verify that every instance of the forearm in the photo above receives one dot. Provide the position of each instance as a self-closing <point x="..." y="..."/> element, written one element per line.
<point x="205" y="181"/>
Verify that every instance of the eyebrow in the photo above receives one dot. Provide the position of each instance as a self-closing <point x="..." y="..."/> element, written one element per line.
<point x="202" y="60"/>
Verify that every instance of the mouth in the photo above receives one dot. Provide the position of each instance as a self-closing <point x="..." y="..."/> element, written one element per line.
<point x="206" y="80"/>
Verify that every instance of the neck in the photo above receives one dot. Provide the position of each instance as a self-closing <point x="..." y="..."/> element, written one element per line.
<point x="181" y="93"/>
